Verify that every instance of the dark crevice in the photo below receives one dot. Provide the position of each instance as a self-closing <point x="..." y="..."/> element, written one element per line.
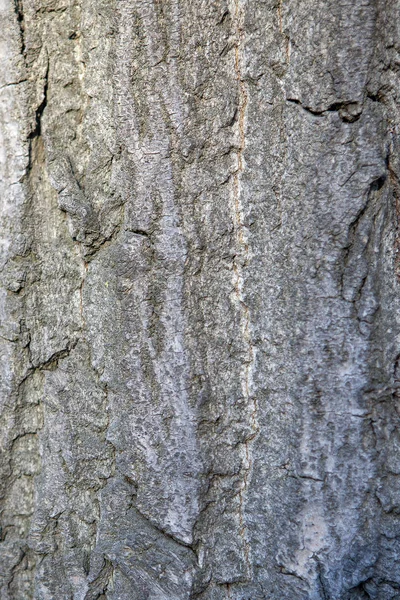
<point x="99" y="586"/>
<point x="374" y="187"/>
<point x="297" y="476"/>
<point x="19" y="11"/>
<point x="164" y="533"/>
<point x="324" y="592"/>
<point x="378" y="184"/>
<point x="375" y="97"/>
<point x="37" y="130"/>
<point x="359" y="592"/>
<point x="52" y="362"/>
<point x="335" y="107"/>
<point x="15" y="567"/>
<point x="141" y="232"/>
<point x="285" y="571"/>
<point x="316" y="113"/>
<point x="223" y="18"/>
<point x="349" y="112"/>
<point x="49" y="364"/>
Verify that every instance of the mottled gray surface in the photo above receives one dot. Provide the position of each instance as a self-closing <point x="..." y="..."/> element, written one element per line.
<point x="199" y="301"/>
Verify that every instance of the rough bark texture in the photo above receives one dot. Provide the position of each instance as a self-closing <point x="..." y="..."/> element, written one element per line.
<point x="199" y="299"/>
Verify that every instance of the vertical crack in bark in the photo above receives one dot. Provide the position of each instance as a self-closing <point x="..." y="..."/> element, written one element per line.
<point x="37" y="129"/>
<point x="19" y="11"/>
<point x="239" y="263"/>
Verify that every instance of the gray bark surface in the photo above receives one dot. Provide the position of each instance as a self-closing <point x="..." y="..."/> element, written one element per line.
<point x="199" y="300"/>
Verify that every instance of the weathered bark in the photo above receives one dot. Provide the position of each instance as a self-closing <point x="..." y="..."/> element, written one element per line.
<point x="199" y="299"/>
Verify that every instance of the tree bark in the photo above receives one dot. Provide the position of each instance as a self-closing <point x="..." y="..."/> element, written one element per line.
<point x="199" y="300"/>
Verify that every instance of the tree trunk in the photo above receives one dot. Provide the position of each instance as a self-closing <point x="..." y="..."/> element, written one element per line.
<point x="199" y="300"/>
